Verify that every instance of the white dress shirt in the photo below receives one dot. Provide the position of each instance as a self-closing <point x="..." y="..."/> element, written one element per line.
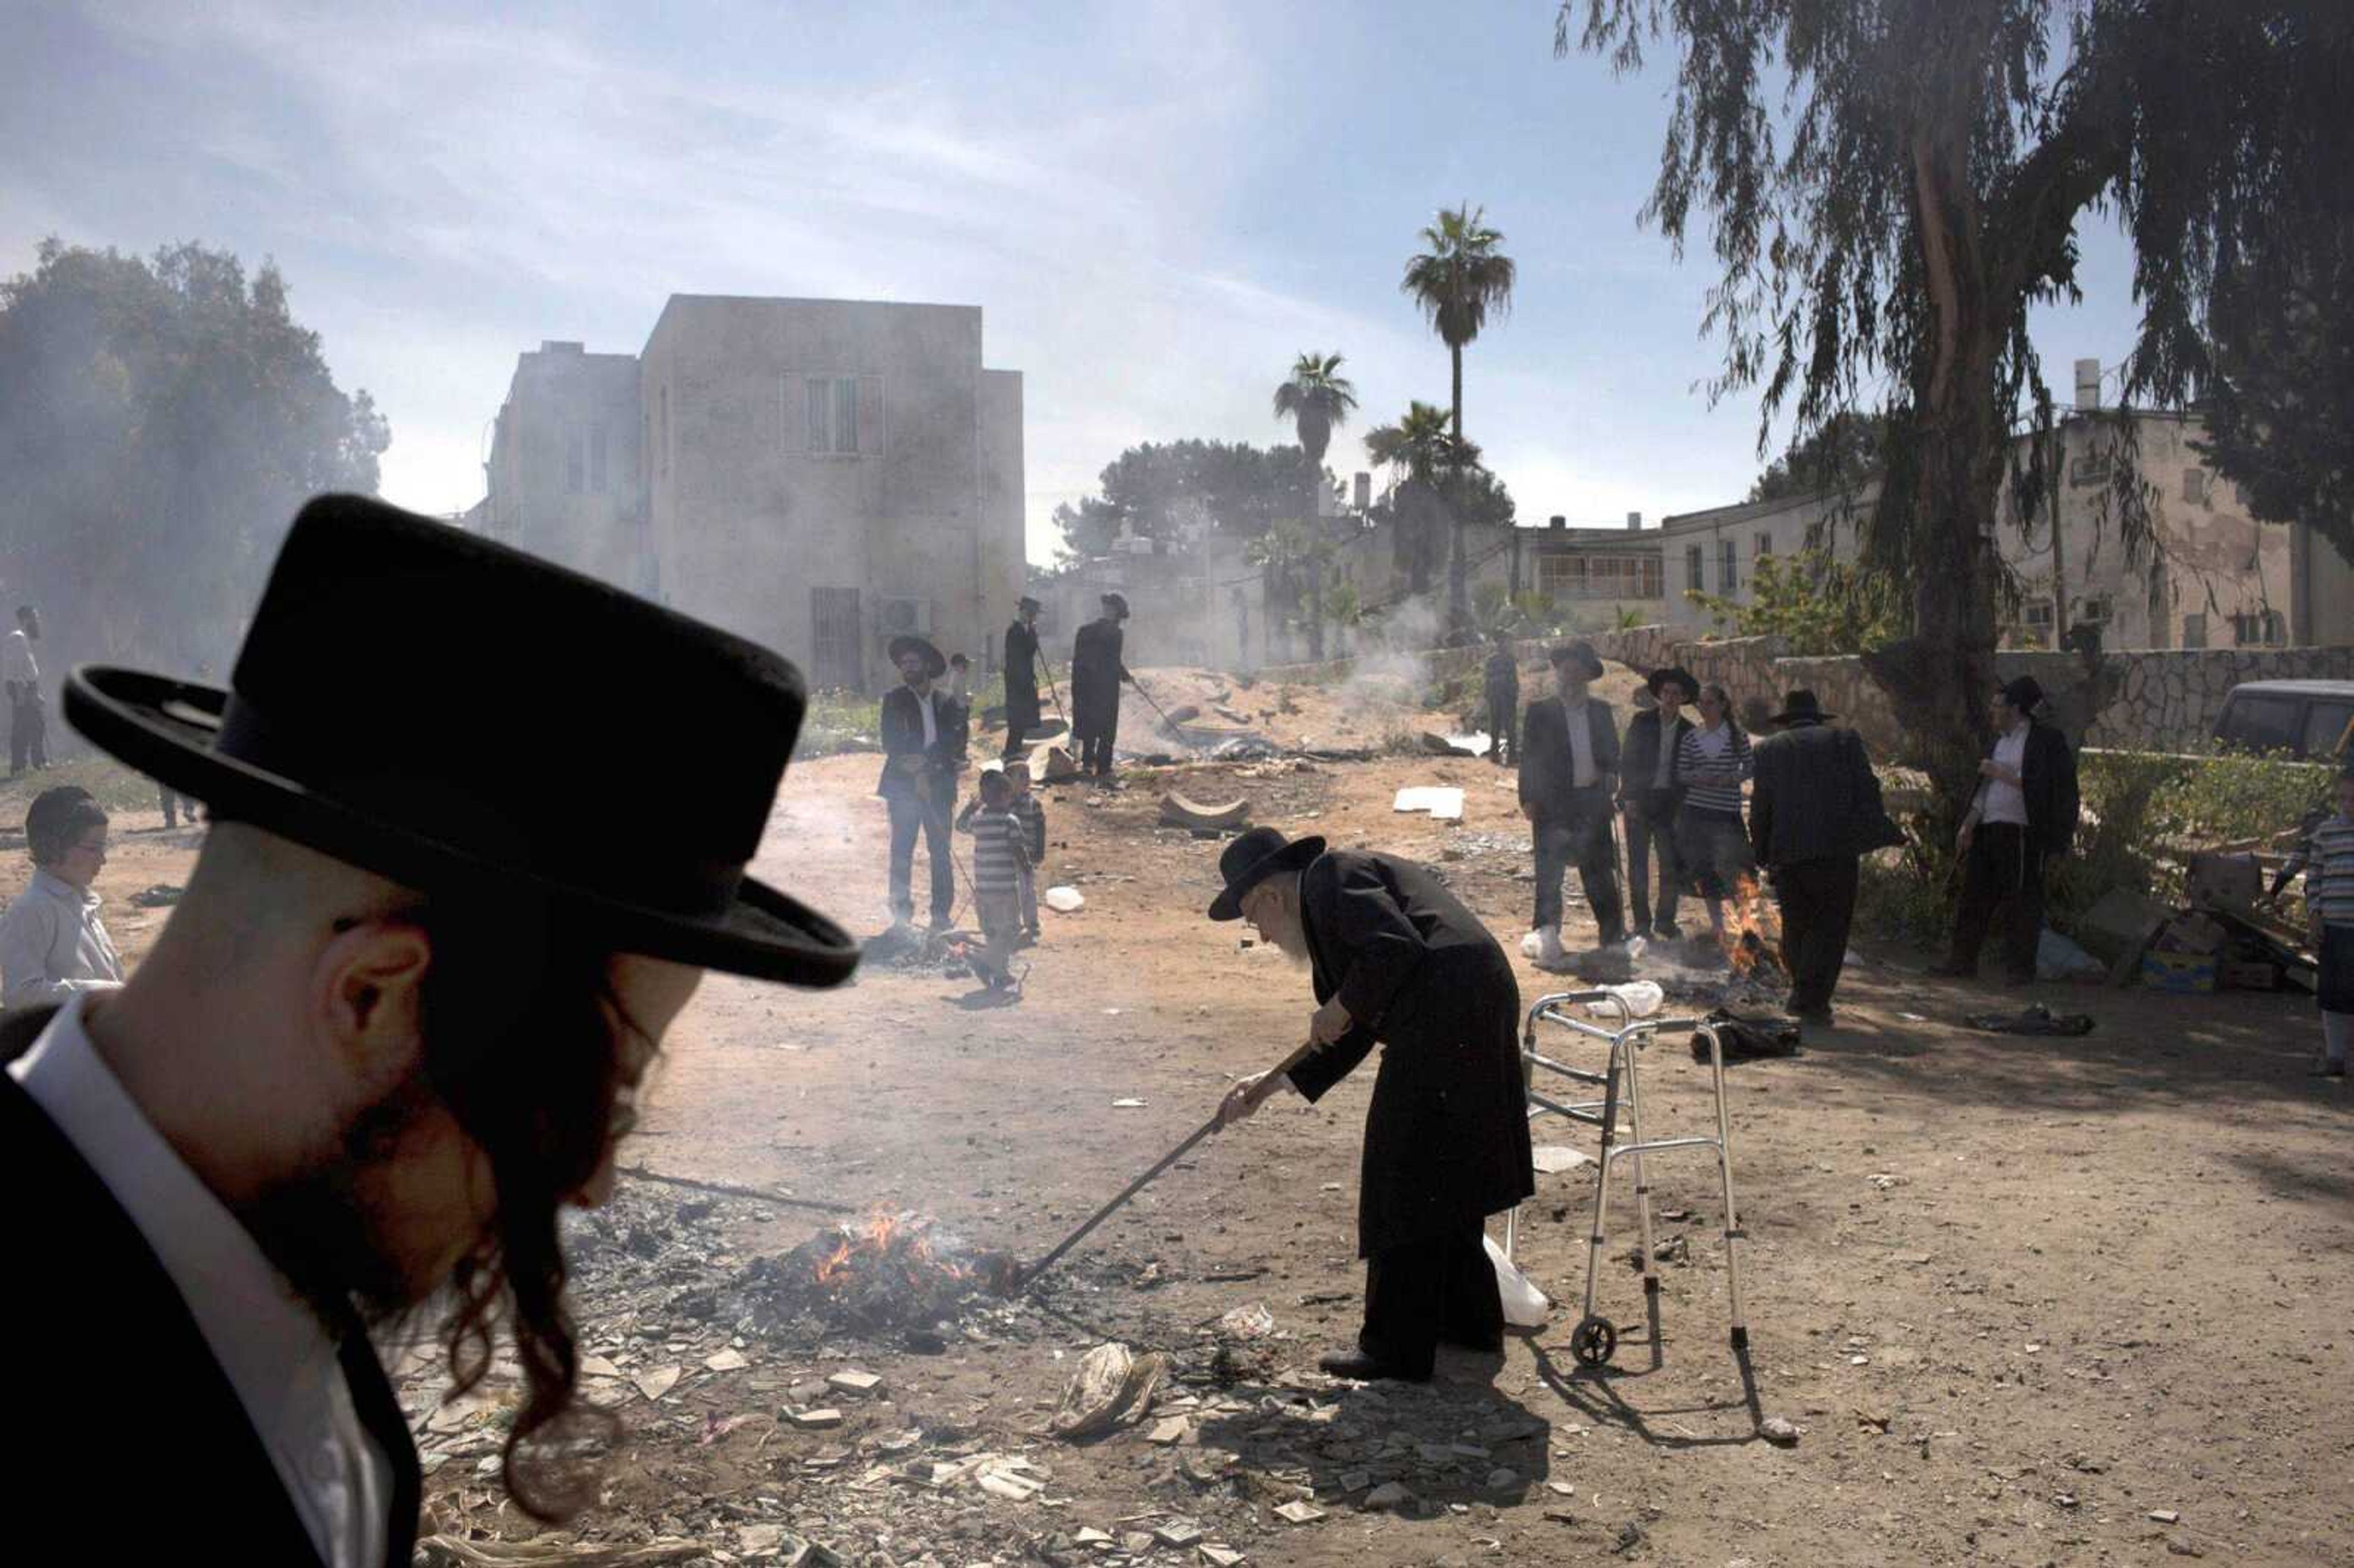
<point x="1581" y="743"/>
<point x="2005" y="801"/>
<point x="273" y="1350"/>
<point x="17" y="661"/>
<point x="924" y="701"/>
<point x="53" y="945"/>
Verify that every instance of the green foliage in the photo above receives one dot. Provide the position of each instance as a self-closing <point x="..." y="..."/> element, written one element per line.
<point x="1819" y="605"/>
<point x="114" y="785"/>
<point x="1157" y="490"/>
<point x="1317" y="401"/>
<point x="1841" y="455"/>
<point x="1490" y="602"/>
<point x="1459" y="277"/>
<point x="163" y="420"/>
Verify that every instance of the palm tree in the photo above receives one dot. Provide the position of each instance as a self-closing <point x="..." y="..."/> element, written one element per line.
<point x="1317" y="401"/>
<point x="1460" y="274"/>
<point x="1420" y="446"/>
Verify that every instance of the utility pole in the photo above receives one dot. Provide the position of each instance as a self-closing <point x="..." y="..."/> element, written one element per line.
<point x="2059" y="546"/>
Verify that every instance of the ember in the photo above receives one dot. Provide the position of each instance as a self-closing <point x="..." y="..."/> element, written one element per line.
<point x="1753" y="933"/>
<point x="890" y="1270"/>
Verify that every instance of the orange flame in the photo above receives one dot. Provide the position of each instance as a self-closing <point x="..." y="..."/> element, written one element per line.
<point x="889" y="1237"/>
<point x="1753" y="932"/>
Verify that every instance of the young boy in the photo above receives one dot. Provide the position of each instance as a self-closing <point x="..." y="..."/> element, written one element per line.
<point x="52" y="943"/>
<point x="1000" y="866"/>
<point x="1031" y="813"/>
<point x="2330" y="906"/>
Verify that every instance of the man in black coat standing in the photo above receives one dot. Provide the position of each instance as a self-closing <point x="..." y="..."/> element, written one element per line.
<point x="1502" y="690"/>
<point x="1021" y="677"/>
<point x="1395" y="961"/>
<point x="1096" y="676"/>
<point x="924" y="739"/>
<point x="1569" y="766"/>
<point x="1814" y="811"/>
<point x="1650" y="796"/>
<point x="2021" y="821"/>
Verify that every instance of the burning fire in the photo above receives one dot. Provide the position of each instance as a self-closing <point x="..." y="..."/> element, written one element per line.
<point x="1753" y="933"/>
<point x="886" y="1236"/>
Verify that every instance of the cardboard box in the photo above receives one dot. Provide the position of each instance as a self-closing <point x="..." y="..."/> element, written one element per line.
<point x="2184" y="974"/>
<point x="2251" y="974"/>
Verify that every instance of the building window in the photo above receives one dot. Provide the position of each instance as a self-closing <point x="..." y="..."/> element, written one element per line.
<point x="1561" y="576"/>
<point x="1762" y="545"/>
<point x="2194" y="630"/>
<point x="2090" y="469"/>
<point x="2095" y="609"/>
<point x="1654" y="572"/>
<point x="831" y="404"/>
<point x="572" y="462"/>
<point x="1691" y="569"/>
<point x="2194" y="486"/>
<point x="1727" y="571"/>
<point x="598" y="457"/>
<point x="2259" y="629"/>
<point x="2036" y="615"/>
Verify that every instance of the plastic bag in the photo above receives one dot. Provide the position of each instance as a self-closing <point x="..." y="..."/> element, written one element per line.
<point x="1643" y="998"/>
<point x="1524" y="1305"/>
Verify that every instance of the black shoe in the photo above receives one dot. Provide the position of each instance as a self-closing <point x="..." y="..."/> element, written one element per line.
<point x="1820" y="1017"/>
<point x="1949" y="969"/>
<point x="1671" y="932"/>
<point x="1363" y="1368"/>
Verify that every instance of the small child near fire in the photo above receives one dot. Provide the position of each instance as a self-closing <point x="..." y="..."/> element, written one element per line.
<point x="1032" y="812"/>
<point x="2330" y="906"/>
<point x="1001" y="867"/>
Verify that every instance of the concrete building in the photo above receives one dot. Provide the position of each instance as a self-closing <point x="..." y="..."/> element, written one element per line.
<point x="818" y="475"/>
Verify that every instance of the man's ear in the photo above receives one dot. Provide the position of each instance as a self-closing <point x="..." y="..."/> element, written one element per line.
<point x="366" y="998"/>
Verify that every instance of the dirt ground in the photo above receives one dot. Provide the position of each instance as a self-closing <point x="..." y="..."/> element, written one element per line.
<point x="2027" y="1300"/>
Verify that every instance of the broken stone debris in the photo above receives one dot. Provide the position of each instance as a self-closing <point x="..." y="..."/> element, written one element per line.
<point x="1065" y="900"/>
<point x="855" y="1383"/>
<point x="1201" y="817"/>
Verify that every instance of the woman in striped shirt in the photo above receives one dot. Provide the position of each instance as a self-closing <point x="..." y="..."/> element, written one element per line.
<point x="2330" y="906"/>
<point x="1711" y="844"/>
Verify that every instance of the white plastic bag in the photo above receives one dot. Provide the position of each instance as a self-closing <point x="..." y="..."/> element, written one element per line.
<point x="1643" y="998"/>
<point x="1065" y="900"/>
<point x="1524" y="1305"/>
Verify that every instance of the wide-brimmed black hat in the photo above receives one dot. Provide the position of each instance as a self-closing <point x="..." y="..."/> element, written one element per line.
<point x="1117" y="603"/>
<point x="438" y="709"/>
<point x="1580" y="653"/>
<point x="936" y="663"/>
<point x="1254" y="857"/>
<point x="2025" y="694"/>
<point x="1799" y="705"/>
<point x="1675" y="675"/>
<point x="1026" y="602"/>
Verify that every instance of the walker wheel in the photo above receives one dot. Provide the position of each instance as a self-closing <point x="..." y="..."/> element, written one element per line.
<point x="1594" y="1342"/>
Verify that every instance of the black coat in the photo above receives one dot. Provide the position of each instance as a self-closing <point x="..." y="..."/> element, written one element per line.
<point x="1021" y="665"/>
<point x="150" y="1434"/>
<point x="1546" y="765"/>
<point x="2048" y="780"/>
<point x="1096" y="674"/>
<point x="1447" y="1137"/>
<point x="1816" y="798"/>
<point x="1502" y="677"/>
<point x="1639" y="765"/>
<point x="903" y="736"/>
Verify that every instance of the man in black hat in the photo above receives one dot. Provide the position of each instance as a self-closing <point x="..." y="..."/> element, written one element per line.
<point x="1648" y="795"/>
<point x="924" y="737"/>
<point x="1569" y="763"/>
<point x="2022" y="819"/>
<point x="1021" y="677"/>
<point x="1395" y="961"/>
<point x="1096" y="676"/>
<point x="1502" y="689"/>
<point x="393" y="1029"/>
<point x="1814" y="811"/>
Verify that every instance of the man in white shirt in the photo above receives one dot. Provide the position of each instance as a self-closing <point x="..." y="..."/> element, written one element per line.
<point x="2020" y="824"/>
<point x="20" y="673"/>
<point x="384" y="1041"/>
<point x="53" y="945"/>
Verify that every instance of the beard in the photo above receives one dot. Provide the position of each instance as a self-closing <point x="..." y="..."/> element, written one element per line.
<point x="1289" y="938"/>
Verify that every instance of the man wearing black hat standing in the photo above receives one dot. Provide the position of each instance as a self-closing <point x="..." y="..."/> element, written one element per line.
<point x="1650" y="796"/>
<point x="1021" y="677"/>
<point x="391" y="1031"/>
<point x="924" y="739"/>
<point x="1569" y="761"/>
<point x="1502" y="685"/>
<point x="1814" y="811"/>
<point x="1395" y="961"/>
<point x="1097" y="672"/>
<point x="2022" y="819"/>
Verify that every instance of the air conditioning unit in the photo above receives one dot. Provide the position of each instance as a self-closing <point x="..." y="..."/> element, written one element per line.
<point x="902" y="617"/>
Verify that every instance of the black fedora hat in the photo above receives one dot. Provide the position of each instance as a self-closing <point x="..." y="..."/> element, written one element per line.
<point x="2025" y="694"/>
<point x="1675" y="675"/>
<point x="469" y="759"/>
<point x="1117" y="603"/>
<point x="1580" y="653"/>
<point x="1799" y="705"/>
<point x="1026" y="602"/>
<point x="936" y="663"/>
<point x="1254" y="857"/>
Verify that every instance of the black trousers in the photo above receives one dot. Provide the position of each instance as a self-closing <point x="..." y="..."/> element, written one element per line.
<point x="1441" y="1289"/>
<point x="1581" y="839"/>
<point x="1021" y="718"/>
<point x="27" y="732"/>
<point x="1652" y="826"/>
<point x="909" y="815"/>
<point x="1817" y="898"/>
<point x="1095" y="755"/>
<point x="1503" y="728"/>
<point x="2002" y="869"/>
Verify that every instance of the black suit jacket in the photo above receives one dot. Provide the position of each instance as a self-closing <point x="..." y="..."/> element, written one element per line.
<point x="1816" y="798"/>
<point x="1546" y="765"/>
<point x="149" y="1434"/>
<point x="1446" y="1138"/>
<point x="2048" y="780"/>
<point x="1640" y="763"/>
<point x="1021" y="664"/>
<point x="903" y="736"/>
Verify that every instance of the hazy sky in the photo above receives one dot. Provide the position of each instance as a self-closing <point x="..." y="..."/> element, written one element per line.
<point x="1157" y="206"/>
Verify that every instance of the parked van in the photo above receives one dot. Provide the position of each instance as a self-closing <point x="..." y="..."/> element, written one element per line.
<point x="2312" y="720"/>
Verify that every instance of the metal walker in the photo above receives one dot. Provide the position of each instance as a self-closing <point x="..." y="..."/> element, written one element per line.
<point x="1596" y="1338"/>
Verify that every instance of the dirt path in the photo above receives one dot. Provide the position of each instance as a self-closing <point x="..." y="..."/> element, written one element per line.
<point x="2029" y="1301"/>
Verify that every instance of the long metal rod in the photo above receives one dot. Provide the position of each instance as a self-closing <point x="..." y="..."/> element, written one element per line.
<point x="1031" y="1276"/>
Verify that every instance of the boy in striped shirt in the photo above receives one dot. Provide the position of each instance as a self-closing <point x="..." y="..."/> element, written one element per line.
<point x="1001" y="865"/>
<point x="2329" y="905"/>
<point x="1032" y="814"/>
